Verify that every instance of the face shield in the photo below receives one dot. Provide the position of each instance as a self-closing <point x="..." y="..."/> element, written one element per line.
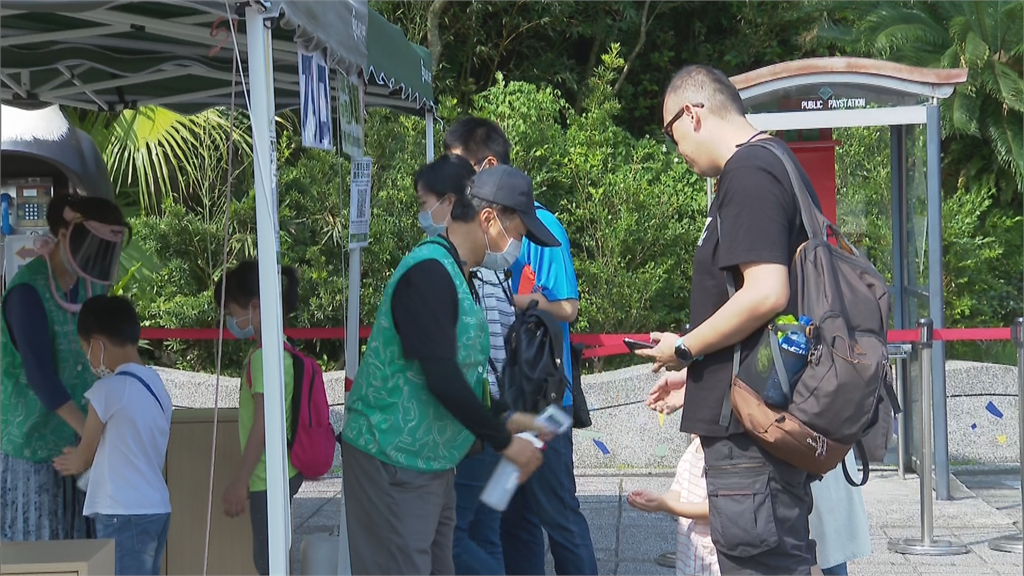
<point x="92" y="249"/>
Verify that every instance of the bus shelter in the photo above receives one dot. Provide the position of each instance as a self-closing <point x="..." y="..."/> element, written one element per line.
<point x="803" y="100"/>
<point x="110" y="55"/>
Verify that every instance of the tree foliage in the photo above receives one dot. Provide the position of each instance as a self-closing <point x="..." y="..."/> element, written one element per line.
<point x="983" y="120"/>
<point x="577" y="88"/>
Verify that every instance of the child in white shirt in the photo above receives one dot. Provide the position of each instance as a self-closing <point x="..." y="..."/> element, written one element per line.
<point x="124" y="443"/>
<point x="687" y="499"/>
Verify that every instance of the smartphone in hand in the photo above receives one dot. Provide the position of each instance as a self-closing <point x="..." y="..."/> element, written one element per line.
<point x="634" y="345"/>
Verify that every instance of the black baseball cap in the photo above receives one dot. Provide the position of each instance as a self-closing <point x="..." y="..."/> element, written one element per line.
<point x="509" y="187"/>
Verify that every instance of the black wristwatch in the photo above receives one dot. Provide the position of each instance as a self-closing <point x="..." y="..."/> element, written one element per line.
<point x="683" y="353"/>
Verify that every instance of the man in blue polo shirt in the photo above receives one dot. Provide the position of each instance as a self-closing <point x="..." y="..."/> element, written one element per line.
<point x="547" y="501"/>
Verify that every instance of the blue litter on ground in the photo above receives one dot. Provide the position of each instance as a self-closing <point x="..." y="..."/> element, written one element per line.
<point x="600" y="446"/>
<point x="974" y="426"/>
<point x="993" y="410"/>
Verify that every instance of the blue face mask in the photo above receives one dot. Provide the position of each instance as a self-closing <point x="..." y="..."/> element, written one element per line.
<point x="427" y="222"/>
<point x="241" y="334"/>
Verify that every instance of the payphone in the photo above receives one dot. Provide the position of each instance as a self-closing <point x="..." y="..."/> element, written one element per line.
<point x="23" y="207"/>
<point x="42" y="155"/>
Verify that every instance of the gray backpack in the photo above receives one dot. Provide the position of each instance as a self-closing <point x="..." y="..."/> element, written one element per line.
<point x="844" y="398"/>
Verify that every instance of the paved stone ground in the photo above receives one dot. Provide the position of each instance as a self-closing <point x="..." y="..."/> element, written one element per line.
<point x="627" y="541"/>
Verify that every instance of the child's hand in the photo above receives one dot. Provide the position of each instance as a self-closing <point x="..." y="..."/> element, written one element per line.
<point x="668" y="394"/>
<point x="67" y="464"/>
<point x="235" y="497"/>
<point x="646" y="500"/>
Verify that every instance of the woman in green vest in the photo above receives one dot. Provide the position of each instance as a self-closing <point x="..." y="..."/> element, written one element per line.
<point x="420" y="397"/>
<point x="44" y="373"/>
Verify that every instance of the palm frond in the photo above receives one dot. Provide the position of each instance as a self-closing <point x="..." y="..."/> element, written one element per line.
<point x="1009" y="85"/>
<point x="964" y="108"/>
<point x="975" y="51"/>
<point x="1006" y="136"/>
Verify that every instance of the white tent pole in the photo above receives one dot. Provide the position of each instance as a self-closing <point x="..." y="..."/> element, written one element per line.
<point x="355" y="263"/>
<point x="430" y="136"/>
<point x="261" y="90"/>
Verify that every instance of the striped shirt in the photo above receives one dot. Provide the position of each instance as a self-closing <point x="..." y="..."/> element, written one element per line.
<point x="695" y="553"/>
<point x="494" y="291"/>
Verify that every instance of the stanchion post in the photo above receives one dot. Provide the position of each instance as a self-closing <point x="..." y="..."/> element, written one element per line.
<point x="1016" y="543"/>
<point x="927" y="544"/>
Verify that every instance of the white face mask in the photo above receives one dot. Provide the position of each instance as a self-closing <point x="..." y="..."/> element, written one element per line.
<point x="501" y="261"/>
<point x="100" y="371"/>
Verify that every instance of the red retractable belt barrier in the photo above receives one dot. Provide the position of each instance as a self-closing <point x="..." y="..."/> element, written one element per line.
<point x="598" y="345"/>
<point x="950" y="335"/>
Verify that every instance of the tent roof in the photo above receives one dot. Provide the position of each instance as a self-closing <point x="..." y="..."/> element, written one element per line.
<point x="109" y="54"/>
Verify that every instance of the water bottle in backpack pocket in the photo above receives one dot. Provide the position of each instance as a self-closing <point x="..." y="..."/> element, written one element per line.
<point x="794" y="348"/>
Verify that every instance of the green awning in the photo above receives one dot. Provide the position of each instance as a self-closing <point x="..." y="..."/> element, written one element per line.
<point x="106" y="54"/>
<point x="402" y="68"/>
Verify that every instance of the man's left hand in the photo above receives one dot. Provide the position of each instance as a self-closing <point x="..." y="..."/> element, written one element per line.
<point x="664" y="354"/>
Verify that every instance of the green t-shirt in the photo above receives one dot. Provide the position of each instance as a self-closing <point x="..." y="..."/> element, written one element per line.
<point x="246" y="411"/>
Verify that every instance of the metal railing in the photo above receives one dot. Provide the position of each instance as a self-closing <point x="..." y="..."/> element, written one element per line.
<point x="927" y="544"/>
<point x="1015" y="543"/>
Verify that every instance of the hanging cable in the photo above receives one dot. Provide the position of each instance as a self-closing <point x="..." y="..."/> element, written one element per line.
<point x="236" y="71"/>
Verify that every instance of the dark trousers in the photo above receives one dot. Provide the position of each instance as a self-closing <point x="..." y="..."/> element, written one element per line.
<point x="547" y="503"/>
<point x="476" y="543"/>
<point x="258" y="517"/>
<point x="759" y="509"/>
<point x="400" y="521"/>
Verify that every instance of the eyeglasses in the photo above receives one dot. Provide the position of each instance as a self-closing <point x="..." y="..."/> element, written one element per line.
<point x="670" y="138"/>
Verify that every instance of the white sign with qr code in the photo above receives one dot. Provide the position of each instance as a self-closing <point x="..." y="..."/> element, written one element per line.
<point x="359" y="203"/>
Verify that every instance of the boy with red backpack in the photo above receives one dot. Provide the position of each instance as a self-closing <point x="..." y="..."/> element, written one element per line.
<point x="310" y="435"/>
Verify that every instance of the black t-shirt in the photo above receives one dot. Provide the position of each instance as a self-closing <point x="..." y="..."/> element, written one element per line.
<point x="759" y="217"/>
<point x="425" y="310"/>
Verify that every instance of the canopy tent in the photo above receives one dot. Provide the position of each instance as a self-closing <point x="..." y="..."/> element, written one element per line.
<point x="112" y="54"/>
<point x="109" y="55"/>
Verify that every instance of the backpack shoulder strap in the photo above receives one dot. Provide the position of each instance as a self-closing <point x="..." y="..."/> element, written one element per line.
<point x="730" y="285"/>
<point x="551" y="325"/>
<point x="814" y="221"/>
<point x="145" y="385"/>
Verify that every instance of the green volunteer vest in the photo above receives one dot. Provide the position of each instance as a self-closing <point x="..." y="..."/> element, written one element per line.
<point x="390" y="414"/>
<point x="27" y="429"/>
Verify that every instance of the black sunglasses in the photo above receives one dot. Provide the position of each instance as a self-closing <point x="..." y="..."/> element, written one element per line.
<point x="667" y="128"/>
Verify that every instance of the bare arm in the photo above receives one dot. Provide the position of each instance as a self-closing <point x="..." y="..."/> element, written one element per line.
<point x="765" y="293"/>
<point x="29" y="328"/>
<point x="256" y="442"/>
<point x="691" y="510"/>
<point x="72" y="414"/>
<point x="562" y="310"/>
<point x="78" y="459"/>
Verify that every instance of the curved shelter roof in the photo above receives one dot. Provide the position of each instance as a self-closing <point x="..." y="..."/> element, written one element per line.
<point x="850" y="91"/>
<point x="110" y="54"/>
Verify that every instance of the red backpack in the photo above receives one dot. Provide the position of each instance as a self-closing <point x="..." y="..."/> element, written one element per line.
<point x="311" y="438"/>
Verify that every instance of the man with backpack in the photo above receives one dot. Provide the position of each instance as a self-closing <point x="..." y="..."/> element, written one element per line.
<point x="759" y="504"/>
<point x="544" y="281"/>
